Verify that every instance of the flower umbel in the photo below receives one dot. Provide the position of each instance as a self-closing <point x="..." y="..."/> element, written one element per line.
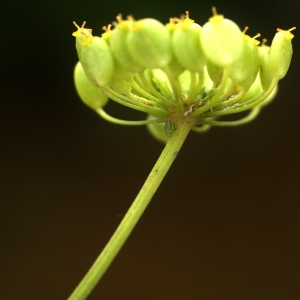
<point x="183" y="76"/>
<point x="182" y="70"/>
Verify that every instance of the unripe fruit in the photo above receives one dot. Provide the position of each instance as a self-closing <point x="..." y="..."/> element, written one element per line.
<point x="117" y="42"/>
<point x="281" y="52"/>
<point x="149" y="43"/>
<point x="187" y="47"/>
<point x="95" y="57"/>
<point x="91" y="95"/>
<point x="221" y="40"/>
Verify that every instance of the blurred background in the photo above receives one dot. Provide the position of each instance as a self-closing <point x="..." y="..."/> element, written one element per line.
<point x="225" y="223"/>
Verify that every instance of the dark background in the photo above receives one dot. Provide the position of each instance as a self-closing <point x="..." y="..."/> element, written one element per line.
<point x="223" y="225"/>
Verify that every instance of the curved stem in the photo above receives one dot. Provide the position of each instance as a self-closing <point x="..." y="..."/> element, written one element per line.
<point x="134" y="213"/>
<point x="250" y="117"/>
<point x="111" y="119"/>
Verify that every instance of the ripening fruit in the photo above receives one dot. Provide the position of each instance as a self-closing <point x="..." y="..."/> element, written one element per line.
<point x="265" y="73"/>
<point x="221" y="40"/>
<point x="157" y="130"/>
<point x="95" y="57"/>
<point x="91" y="95"/>
<point x="244" y="70"/>
<point x="281" y="52"/>
<point x="149" y="43"/>
<point x="215" y="72"/>
<point x="187" y="47"/>
<point x="117" y="42"/>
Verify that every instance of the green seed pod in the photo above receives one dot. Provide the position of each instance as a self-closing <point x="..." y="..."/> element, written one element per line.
<point x="254" y="90"/>
<point x="187" y="47"/>
<point x="95" y="57"/>
<point x="91" y="95"/>
<point x="215" y="72"/>
<point x="117" y="42"/>
<point x="221" y="40"/>
<point x="245" y="69"/>
<point x="265" y="72"/>
<point x="81" y="35"/>
<point x="149" y="43"/>
<point x="157" y="130"/>
<point x="281" y="52"/>
<point x="175" y="67"/>
<point x="207" y="81"/>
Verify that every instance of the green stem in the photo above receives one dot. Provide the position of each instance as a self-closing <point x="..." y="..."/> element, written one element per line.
<point x="135" y="211"/>
<point x="101" y="112"/>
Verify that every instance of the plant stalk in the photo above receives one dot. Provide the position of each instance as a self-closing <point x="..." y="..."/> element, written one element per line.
<point x="135" y="211"/>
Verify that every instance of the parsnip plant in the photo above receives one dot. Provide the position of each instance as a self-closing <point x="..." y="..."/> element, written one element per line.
<point x="183" y="77"/>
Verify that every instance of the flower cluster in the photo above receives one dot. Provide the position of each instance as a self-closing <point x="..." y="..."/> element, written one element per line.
<point x="180" y="71"/>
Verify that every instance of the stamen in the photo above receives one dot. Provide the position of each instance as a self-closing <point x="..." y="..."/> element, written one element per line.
<point x="245" y="29"/>
<point x="214" y="11"/>
<point x="119" y="18"/>
<point x="264" y="41"/>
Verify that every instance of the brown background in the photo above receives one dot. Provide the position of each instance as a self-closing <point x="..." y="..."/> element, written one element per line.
<point x="223" y="225"/>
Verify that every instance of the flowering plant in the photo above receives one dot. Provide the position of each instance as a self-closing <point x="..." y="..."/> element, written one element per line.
<point x="184" y="77"/>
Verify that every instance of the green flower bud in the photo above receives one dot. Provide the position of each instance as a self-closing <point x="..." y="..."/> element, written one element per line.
<point x="91" y="95"/>
<point x="281" y="52"/>
<point x="117" y="42"/>
<point x="187" y="47"/>
<point x="149" y="43"/>
<point x="245" y="69"/>
<point x="222" y="40"/>
<point x="95" y="57"/>
<point x="265" y="72"/>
